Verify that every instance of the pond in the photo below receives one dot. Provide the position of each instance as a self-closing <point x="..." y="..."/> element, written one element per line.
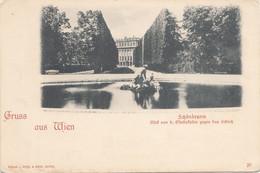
<point x="171" y="96"/>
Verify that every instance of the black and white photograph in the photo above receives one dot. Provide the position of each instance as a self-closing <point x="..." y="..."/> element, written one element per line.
<point x="120" y="58"/>
<point x="130" y="86"/>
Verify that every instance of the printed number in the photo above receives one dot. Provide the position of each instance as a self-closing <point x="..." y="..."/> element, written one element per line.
<point x="248" y="165"/>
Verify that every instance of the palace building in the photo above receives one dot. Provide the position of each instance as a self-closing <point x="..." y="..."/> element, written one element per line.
<point x="127" y="51"/>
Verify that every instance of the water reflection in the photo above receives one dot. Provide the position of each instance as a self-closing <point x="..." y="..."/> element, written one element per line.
<point x="208" y="96"/>
<point x="144" y="100"/>
<point x="171" y="96"/>
<point x="182" y="96"/>
<point x="89" y="100"/>
<point x="78" y="96"/>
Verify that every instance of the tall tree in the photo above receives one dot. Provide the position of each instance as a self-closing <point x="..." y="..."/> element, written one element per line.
<point x="97" y="41"/>
<point x="172" y="39"/>
<point x="162" y="41"/>
<point x="51" y="34"/>
<point x="213" y="36"/>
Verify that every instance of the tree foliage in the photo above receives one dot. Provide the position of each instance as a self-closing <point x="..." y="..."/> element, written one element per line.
<point x="88" y="46"/>
<point x="96" y="40"/>
<point x="51" y="33"/>
<point x="213" y="38"/>
<point x="162" y="41"/>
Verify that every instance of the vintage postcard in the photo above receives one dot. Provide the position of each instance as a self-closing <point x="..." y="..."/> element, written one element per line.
<point x="130" y="86"/>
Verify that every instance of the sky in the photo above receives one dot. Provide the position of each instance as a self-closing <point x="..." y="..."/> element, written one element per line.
<point x="125" y="18"/>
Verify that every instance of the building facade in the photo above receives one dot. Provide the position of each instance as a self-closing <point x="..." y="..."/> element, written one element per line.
<point x="127" y="51"/>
